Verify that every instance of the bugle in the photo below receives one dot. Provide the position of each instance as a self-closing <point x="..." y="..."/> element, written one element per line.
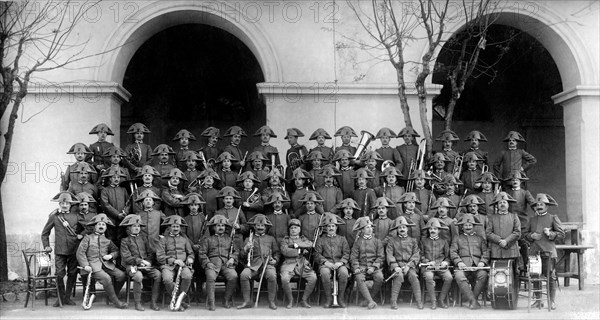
<point x="365" y="139"/>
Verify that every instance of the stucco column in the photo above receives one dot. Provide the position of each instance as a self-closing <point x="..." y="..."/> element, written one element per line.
<point x="582" y="137"/>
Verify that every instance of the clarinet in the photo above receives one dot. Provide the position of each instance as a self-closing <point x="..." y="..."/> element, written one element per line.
<point x="251" y="251"/>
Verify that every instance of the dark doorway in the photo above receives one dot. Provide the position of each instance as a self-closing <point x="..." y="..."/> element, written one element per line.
<point x="516" y="95"/>
<point x="191" y="77"/>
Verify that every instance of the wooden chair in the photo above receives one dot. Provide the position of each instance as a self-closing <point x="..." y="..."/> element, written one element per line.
<point x="37" y="272"/>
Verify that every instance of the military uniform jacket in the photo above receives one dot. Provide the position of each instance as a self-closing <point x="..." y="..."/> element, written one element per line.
<point x="327" y="153"/>
<point x="295" y="200"/>
<point x="261" y="246"/>
<point x="171" y="248"/>
<point x="407" y="153"/>
<point x="346" y="231"/>
<point x="191" y="176"/>
<point x="451" y="155"/>
<point x="237" y="153"/>
<point x="163" y="169"/>
<point x="172" y="197"/>
<point x="547" y="243"/>
<point x="423" y="195"/>
<point x="104" y="182"/>
<point x="261" y="175"/>
<point x="448" y="234"/>
<point x="291" y="255"/>
<point x="279" y="229"/>
<point x="503" y="226"/>
<point x="210" y="196"/>
<point x="331" y="196"/>
<point x="195" y="226"/>
<point x="367" y="253"/>
<point x="415" y="217"/>
<point x="64" y="242"/>
<point x="138" y="206"/>
<point x="179" y="156"/>
<point x="350" y="149"/>
<point x="478" y="229"/>
<point x="228" y="178"/>
<point x="375" y="182"/>
<point x="215" y="249"/>
<point x="381" y="228"/>
<point x="333" y="249"/>
<point x="134" y="249"/>
<point x="76" y="187"/>
<point x="254" y="208"/>
<point x="487" y="197"/>
<point x="392" y="154"/>
<point x="468" y="178"/>
<point x="151" y="231"/>
<point x="482" y="154"/>
<point x="310" y="223"/>
<point x="511" y="160"/>
<point x="365" y="198"/>
<point x="69" y="176"/>
<point x="318" y="180"/>
<point x="469" y="249"/>
<point x="346" y="182"/>
<point x="524" y="200"/>
<point x="268" y="151"/>
<point x="402" y="252"/>
<point x="98" y="148"/>
<point x="270" y="190"/>
<point x="112" y="201"/>
<point x="211" y="153"/>
<point x="434" y="250"/>
<point x="145" y="154"/>
<point x="393" y="193"/>
<point x="91" y="250"/>
<point x="82" y="221"/>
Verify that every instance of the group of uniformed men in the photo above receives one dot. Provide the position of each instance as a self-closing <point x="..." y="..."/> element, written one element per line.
<point x="342" y="216"/>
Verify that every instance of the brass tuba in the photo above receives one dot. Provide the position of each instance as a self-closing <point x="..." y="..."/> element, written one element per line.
<point x="294" y="159"/>
<point x="365" y="139"/>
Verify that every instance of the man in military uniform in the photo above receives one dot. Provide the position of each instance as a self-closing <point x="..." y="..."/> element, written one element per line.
<point x="271" y="153"/>
<point x="320" y="135"/>
<point x="138" y="152"/>
<point x="211" y="151"/>
<point x="99" y="147"/>
<point x="367" y="259"/>
<point x="184" y="137"/>
<point x="236" y="133"/>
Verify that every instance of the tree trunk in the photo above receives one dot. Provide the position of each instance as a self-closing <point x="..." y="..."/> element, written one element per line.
<point x="3" y="244"/>
<point x="402" y="95"/>
<point x="450" y="113"/>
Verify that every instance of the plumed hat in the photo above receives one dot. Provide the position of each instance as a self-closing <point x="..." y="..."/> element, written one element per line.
<point x="148" y="193"/>
<point x="468" y="218"/>
<point x="114" y="150"/>
<point x="311" y="196"/>
<point x="247" y="175"/>
<point x="502" y="196"/>
<point x="274" y="173"/>
<point x="85" y="197"/>
<point x="114" y="171"/>
<point x="330" y="171"/>
<point x="294" y="222"/>
<point x="437" y="157"/>
<point x="447" y="135"/>
<point x="257" y="155"/>
<point x="343" y="153"/>
<point x="233" y="130"/>
<point x="450" y="179"/>
<point x="83" y="167"/>
<point x="361" y="223"/>
<point x="147" y="169"/>
<point x="345" y="131"/>
<point x="209" y="173"/>
<point x="409" y="196"/>
<point x="443" y="202"/>
<point x="132" y="219"/>
<point x="475" y="135"/>
<point x="435" y="222"/>
<point x="183" y="133"/>
<point x="514" y="135"/>
<point x="211" y="132"/>
<point x="228" y="191"/>
<point x="219" y="219"/>
<point x="175" y="172"/>
<point x="472" y="156"/>
<point x="225" y="156"/>
<point x="138" y="127"/>
<point x="102" y="127"/>
<point x="471" y="199"/>
<point x="383" y="202"/>
<point x="276" y="196"/>
<point x="162" y="148"/>
<point x="259" y="218"/>
<point x="488" y="177"/>
<point x="300" y="173"/>
<point x="385" y="132"/>
<point x="79" y="147"/>
<point x="265" y="129"/>
<point x="293" y="132"/>
<point x="330" y="218"/>
<point x="516" y="174"/>
<point x="101" y="217"/>
<point x="174" y="219"/>
<point x="348" y="203"/>
<point x="371" y="154"/>
<point x="545" y="198"/>
<point x="190" y="155"/>
<point x="319" y="132"/>
<point x="363" y="173"/>
<point x="408" y="130"/>
<point x="315" y="155"/>
<point x="418" y="174"/>
<point x="390" y="171"/>
<point x="65" y="196"/>
<point x="400" y="221"/>
<point x="193" y="198"/>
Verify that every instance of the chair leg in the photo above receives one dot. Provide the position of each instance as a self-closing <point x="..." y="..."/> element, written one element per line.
<point x="46" y="291"/>
<point x="34" y="291"/>
<point x="27" y="297"/>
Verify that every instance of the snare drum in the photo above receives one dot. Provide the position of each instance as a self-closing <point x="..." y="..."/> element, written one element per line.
<point x="502" y="286"/>
<point x="535" y="266"/>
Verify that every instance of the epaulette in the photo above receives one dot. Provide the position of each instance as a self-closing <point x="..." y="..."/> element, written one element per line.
<point x="53" y="213"/>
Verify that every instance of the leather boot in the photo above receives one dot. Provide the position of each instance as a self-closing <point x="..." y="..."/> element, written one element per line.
<point x="364" y="291"/>
<point x="308" y="289"/>
<point x="245" y="285"/>
<point x="210" y="295"/>
<point x="60" y="284"/>
<point x="155" y="295"/>
<point x="229" y="289"/>
<point x="430" y="285"/>
<point x="465" y="289"/>
<point x="479" y="288"/>
<point x="444" y="294"/>
<point x="328" y="291"/>
<point x="272" y="287"/>
<point x="112" y="296"/>
<point x="289" y="297"/>
<point x="395" y="292"/>
<point x="416" y="289"/>
<point x="342" y="284"/>
<point x="137" y="296"/>
<point x="69" y="290"/>
<point x="552" y="284"/>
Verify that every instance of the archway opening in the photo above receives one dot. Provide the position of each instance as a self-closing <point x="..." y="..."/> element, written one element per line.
<point x="192" y="76"/>
<point x="514" y="95"/>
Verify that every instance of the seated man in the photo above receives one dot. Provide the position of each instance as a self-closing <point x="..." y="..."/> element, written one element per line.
<point x="96" y="254"/>
<point x="294" y="249"/>
<point x="366" y="259"/>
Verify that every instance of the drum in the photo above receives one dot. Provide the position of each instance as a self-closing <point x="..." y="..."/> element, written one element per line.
<point x="535" y="266"/>
<point x="502" y="287"/>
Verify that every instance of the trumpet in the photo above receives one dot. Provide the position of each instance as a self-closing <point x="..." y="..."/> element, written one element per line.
<point x="365" y="139"/>
<point x="458" y="163"/>
<point x="253" y="198"/>
<point x="251" y="251"/>
<point x="88" y="298"/>
<point x="335" y="290"/>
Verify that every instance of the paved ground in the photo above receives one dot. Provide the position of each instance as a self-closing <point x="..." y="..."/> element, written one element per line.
<point x="572" y="304"/>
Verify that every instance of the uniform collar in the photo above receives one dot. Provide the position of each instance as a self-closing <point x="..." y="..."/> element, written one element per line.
<point x="447" y="149"/>
<point x="139" y="141"/>
<point x="184" y="148"/>
<point x="345" y="168"/>
<point x="164" y="163"/>
<point x="210" y="145"/>
<point x="362" y="188"/>
<point x="434" y="238"/>
<point x="503" y="212"/>
<point x="403" y="237"/>
<point x="348" y="217"/>
<point x="265" y="144"/>
<point x="174" y="235"/>
<point x="512" y="149"/>
<point x="470" y="234"/>
<point x="516" y="189"/>
<point x="277" y="212"/>
<point x="149" y="185"/>
<point x="194" y="213"/>
<point x="368" y="237"/>
<point x="191" y="170"/>
<point x="225" y="170"/>
<point x="311" y="212"/>
<point x="541" y="214"/>
<point x="84" y="212"/>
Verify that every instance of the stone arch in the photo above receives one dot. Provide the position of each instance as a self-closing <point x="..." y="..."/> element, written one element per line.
<point x="150" y="20"/>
